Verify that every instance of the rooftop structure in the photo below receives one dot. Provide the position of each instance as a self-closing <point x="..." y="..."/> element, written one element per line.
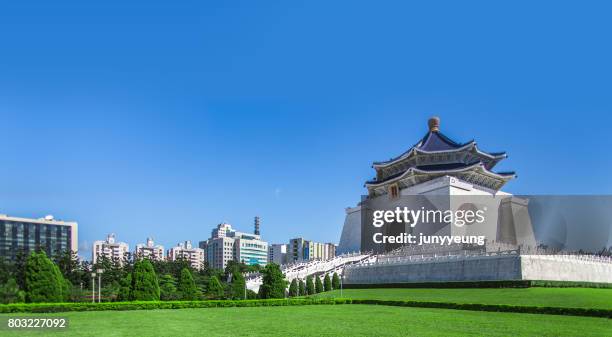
<point x="436" y="155"/>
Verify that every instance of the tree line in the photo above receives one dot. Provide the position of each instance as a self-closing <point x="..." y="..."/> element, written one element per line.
<point x="36" y="278"/>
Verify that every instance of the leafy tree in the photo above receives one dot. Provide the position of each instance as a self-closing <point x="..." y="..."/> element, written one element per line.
<point x="336" y="281"/>
<point x="5" y="270"/>
<point x="10" y="293"/>
<point x="21" y="259"/>
<point x="327" y="285"/>
<point x="144" y="282"/>
<point x="301" y="288"/>
<point x="113" y="292"/>
<point x="125" y="288"/>
<point x="310" y="288"/>
<point x="167" y="288"/>
<point x="318" y="285"/>
<point x="41" y="279"/>
<point x="214" y="289"/>
<point x="65" y="285"/>
<point x="186" y="287"/>
<point x="251" y="295"/>
<point x="68" y="264"/>
<point x="293" y="288"/>
<point x="274" y="283"/>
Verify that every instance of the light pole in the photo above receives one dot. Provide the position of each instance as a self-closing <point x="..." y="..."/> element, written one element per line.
<point x="93" y="287"/>
<point x="100" y="271"/>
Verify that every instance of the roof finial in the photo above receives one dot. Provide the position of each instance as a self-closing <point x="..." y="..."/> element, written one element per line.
<point x="434" y="124"/>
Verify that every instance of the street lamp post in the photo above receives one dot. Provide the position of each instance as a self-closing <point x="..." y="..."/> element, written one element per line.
<point x="100" y="271"/>
<point x="93" y="287"/>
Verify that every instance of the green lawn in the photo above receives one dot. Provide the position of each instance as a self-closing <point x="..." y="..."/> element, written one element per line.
<point x="554" y="297"/>
<point x="320" y="320"/>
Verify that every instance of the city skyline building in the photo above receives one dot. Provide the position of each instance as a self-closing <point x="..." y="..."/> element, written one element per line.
<point x="110" y="248"/>
<point x="300" y="249"/>
<point x="26" y="235"/>
<point x="277" y="253"/>
<point x="149" y="250"/>
<point x="227" y="244"/>
<point x="185" y="250"/>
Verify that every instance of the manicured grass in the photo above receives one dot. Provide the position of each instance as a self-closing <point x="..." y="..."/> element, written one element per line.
<point x="553" y="297"/>
<point x="320" y="320"/>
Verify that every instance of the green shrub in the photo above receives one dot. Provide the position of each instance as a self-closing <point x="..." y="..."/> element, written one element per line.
<point x="10" y="293"/>
<point x="149" y="305"/>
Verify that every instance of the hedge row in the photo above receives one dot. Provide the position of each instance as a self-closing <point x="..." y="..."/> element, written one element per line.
<point x="63" y="307"/>
<point x="569" y="284"/>
<point x="150" y="305"/>
<point x="452" y="284"/>
<point x="482" y="284"/>
<point x="607" y="313"/>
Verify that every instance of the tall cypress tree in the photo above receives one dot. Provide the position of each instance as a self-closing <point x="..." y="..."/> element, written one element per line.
<point x="145" y="286"/>
<point x="41" y="279"/>
<point x="310" y="288"/>
<point x="238" y="284"/>
<point x="336" y="281"/>
<point x="186" y="286"/>
<point x="293" y="288"/>
<point x="214" y="289"/>
<point x="167" y="288"/>
<point x="318" y="285"/>
<point x="327" y="285"/>
<point x="301" y="288"/>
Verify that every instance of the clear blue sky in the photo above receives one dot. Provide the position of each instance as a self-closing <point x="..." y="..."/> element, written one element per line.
<point x="160" y="119"/>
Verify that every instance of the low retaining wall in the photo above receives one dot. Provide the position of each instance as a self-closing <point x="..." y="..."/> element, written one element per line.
<point x="482" y="268"/>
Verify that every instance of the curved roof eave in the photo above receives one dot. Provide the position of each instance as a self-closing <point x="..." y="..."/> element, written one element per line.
<point x="502" y="175"/>
<point x="493" y="155"/>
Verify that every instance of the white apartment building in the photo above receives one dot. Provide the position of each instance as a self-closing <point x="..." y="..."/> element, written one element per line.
<point x="185" y="250"/>
<point x="149" y="250"/>
<point x="110" y="249"/>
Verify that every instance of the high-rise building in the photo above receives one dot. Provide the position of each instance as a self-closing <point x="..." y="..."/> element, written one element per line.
<point x="277" y="253"/>
<point x="305" y="250"/>
<point x="149" y="250"/>
<point x="26" y="235"/>
<point x="185" y="250"/>
<point x="227" y="244"/>
<point x="110" y="249"/>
